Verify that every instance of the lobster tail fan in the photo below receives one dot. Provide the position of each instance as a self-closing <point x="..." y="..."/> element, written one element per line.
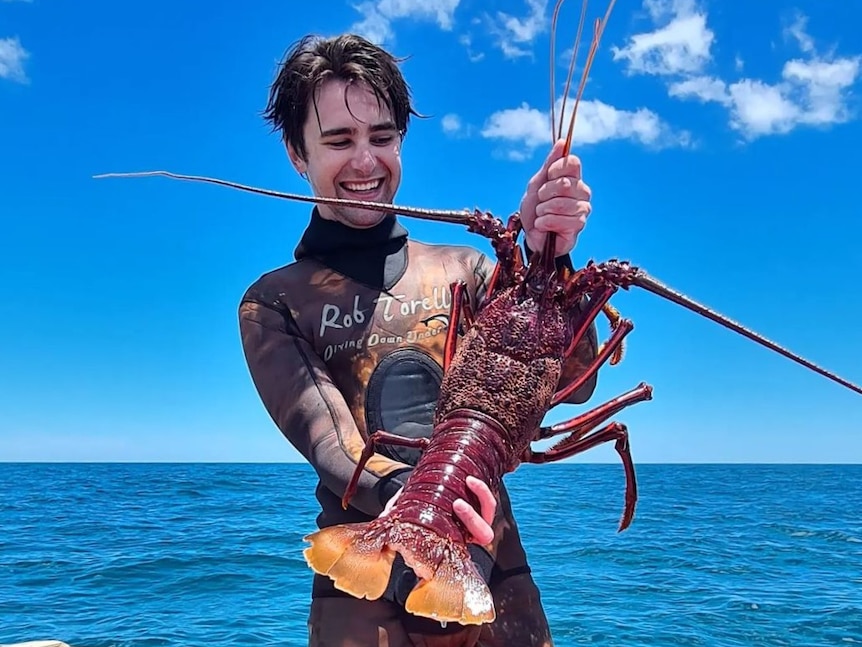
<point x="450" y="588"/>
<point x="456" y="591"/>
<point x="357" y="565"/>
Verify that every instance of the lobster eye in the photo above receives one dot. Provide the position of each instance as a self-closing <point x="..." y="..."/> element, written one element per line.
<point x="539" y="284"/>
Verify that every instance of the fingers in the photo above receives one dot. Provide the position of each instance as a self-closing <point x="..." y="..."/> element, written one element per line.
<point x="564" y="187"/>
<point x="563" y="226"/>
<point x="479" y="530"/>
<point x="487" y="500"/>
<point x="564" y="205"/>
<point x="478" y="524"/>
<point x="566" y="217"/>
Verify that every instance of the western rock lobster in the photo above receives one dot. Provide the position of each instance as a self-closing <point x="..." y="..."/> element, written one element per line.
<point x="500" y="380"/>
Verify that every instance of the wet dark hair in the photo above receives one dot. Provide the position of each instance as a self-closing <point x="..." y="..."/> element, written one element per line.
<point x="349" y="57"/>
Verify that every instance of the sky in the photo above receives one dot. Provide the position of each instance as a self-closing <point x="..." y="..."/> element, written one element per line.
<point x="717" y="139"/>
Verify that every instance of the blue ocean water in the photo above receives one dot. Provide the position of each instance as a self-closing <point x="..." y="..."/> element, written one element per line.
<point x="128" y="555"/>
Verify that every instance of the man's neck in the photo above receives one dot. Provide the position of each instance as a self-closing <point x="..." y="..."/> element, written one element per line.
<point x="376" y="256"/>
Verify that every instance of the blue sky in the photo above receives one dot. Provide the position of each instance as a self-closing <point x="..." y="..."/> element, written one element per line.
<point x="717" y="138"/>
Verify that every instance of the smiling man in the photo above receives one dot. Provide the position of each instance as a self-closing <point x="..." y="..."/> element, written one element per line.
<point x="351" y="148"/>
<point x="334" y="360"/>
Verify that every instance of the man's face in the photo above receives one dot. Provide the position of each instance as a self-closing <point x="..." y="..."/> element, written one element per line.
<point x="353" y="152"/>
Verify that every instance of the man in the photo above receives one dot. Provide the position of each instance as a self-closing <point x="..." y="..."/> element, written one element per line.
<point x="348" y="339"/>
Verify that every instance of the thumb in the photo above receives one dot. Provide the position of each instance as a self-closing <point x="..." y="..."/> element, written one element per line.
<point x="557" y="152"/>
<point x="541" y="175"/>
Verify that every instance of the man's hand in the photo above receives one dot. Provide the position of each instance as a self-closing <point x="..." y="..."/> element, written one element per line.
<point x="557" y="200"/>
<point x="478" y="523"/>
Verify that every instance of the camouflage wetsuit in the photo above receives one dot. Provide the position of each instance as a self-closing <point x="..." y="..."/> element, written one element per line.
<point x="348" y="340"/>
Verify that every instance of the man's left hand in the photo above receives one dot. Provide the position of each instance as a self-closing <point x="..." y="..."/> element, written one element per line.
<point x="556" y="200"/>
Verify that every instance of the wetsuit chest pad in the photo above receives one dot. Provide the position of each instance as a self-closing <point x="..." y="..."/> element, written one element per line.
<point x="400" y="398"/>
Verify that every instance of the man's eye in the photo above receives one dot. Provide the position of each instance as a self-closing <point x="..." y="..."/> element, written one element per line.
<point x="342" y="143"/>
<point x="383" y="140"/>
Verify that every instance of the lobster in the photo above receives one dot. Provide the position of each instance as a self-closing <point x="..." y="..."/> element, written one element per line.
<point x="529" y="322"/>
<point x="501" y="377"/>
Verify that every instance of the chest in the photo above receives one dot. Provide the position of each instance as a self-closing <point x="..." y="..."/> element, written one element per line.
<point x="351" y="324"/>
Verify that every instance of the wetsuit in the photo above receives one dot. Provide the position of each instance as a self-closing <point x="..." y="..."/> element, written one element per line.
<point x="348" y="340"/>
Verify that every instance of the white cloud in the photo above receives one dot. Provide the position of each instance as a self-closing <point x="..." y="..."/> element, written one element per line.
<point x="528" y="128"/>
<point x="798" y="33"/>
<point x="451" y="123"/>
<point x="661" y="9"/>
<point x="374" y="26"/>
<point x="681" y="46"/>
<point x="760" y="109"/>
<point x="515" y="34"/>
<point x="378" y="15"/>
<point x="467" y="41"/>
<point x="441" y="11"/>
<point x="525" y="29"/>
<point x="811" y="92"/>
<point x="12" y="57"/>
<point x="820" y="86"/>
<point x="524" y="125"/>
<point x="598" y="121"/>
<point x="704" y="88"/>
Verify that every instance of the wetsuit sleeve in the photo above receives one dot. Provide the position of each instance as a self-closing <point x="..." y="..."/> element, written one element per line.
<point x="307" y="407"/>
<point x="584" y="353"/>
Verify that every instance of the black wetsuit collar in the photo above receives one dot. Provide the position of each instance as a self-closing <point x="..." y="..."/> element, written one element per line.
<point x="376" y="256"/>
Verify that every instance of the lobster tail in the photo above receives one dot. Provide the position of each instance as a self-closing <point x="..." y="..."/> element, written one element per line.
<point x="359" y="557"/>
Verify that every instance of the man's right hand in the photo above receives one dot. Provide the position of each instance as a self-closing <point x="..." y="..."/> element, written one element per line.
<point x="479" y="524"/>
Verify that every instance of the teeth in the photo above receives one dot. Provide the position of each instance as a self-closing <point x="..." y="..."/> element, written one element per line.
<point x="361" y="186"/>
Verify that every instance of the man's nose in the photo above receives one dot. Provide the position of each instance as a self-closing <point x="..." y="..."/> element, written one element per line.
<point x="364" y="160"/>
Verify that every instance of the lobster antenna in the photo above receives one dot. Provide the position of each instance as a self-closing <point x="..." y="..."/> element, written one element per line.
<point x="461" y="217"/>
<point x="557" y="131"/>
<point x="598" y="31"/>
<point x="571" y="72"/>
<point x="553" y="65"/>
<point x="647" y="282"/>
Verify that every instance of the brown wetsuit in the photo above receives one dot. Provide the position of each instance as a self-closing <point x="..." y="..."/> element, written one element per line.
<point x="348" y="340"/>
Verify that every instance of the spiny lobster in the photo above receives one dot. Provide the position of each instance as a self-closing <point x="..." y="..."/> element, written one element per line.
<point x="500" y="380"/>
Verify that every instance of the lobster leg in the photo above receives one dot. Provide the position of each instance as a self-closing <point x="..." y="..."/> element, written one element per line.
<point x="458" y="306"/>
<point x="580" y="440"/>
<point x="598" y="299"/>
<point x="582" y="424"/>
<point x="614" y="317"/>
<point x="624" y="327"/>
<point x="383" y="438"/>
<point x="571" y="445"/>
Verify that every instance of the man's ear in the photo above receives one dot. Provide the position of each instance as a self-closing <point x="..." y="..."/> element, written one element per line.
<point x="295" y="159"/>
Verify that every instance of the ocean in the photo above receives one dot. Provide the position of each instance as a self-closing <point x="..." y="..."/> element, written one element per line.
<point x="194" y="555"/>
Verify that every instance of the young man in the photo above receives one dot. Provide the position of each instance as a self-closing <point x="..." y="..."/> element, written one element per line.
<point x="336" y="355"/>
